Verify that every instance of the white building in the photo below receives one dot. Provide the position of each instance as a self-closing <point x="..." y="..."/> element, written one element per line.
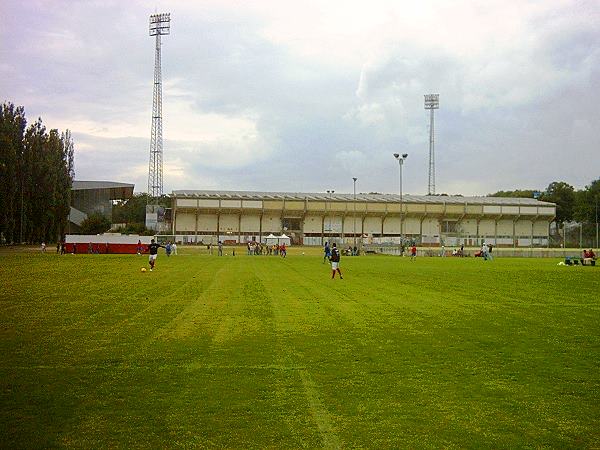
<point x="313" y="218"/>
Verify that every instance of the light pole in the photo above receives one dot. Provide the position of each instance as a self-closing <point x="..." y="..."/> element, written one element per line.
<point x="354" y="218"/>
<point x="401" y="159"/>
<point x="596" y="222"/>
<point x="330" y="192"/>
<point x="432" y="101"/>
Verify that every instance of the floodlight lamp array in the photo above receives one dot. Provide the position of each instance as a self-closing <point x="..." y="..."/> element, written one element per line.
<point x="160" y="24"/>
<point x="432" y="101"/>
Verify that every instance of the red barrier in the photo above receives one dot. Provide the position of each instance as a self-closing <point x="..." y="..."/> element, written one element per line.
<point x="103" y="248"/>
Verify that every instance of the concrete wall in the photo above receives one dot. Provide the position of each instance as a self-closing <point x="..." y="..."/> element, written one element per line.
<point x="372" y="225"/>
<point x="313" y="224"/>
<point x="487" y="227"/>
<point x="334" y="218"/>
<point x="186" y="222"/>
<point x="229" y="222"/>
<point x="250" y="224"/>
<point x="391" y="225"/>
<point x="505" y="228"/>
<point x="271" y="223"/>
<point x="412" y="225"/>
<point x="207" y="223"/>
<point x="349" y="224"/>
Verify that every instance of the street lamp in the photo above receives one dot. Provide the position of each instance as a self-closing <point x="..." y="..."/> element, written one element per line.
<point x="330" y="192"/>
<point x="354" y="218"/>
<point x="401" y="159"/>
<point x="596" y="221"/>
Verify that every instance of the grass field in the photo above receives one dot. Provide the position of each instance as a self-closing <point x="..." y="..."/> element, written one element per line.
<point x="265" y="352"/>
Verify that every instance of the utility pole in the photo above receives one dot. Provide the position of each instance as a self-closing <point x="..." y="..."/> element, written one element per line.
<point x="596" y="221"/>
<point x="354" y="214"/>
<point x="401" y="159"/>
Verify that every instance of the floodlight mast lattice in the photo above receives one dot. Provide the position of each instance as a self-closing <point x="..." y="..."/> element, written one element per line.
<point x="160" y="25"/>
<point x="432" y="101"/>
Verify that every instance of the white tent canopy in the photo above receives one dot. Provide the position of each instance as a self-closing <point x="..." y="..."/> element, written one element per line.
<point x="271" y="239"/>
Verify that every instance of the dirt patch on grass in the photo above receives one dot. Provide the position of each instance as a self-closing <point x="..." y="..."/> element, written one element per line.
<point x="24" y="249"/>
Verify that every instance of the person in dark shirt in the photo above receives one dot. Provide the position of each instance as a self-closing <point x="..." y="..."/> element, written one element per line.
<point x="153" y="250"/>
<point x="335" y="261"/>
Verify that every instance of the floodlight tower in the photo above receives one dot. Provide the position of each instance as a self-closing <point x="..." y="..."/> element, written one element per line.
<point x="432" y="101"/>
<point x="160" y="24"/>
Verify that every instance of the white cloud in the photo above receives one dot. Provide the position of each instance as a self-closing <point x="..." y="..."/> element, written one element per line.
<point x="309" y="94"/>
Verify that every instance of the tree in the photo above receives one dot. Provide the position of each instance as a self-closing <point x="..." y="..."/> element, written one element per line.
<point x="587" y="203"/>
<point x="133" y="210"/>
<point x="526" y="193"/>
<point x="563" y="194"/>
<point x="95" y="224"/>
<point x="12" y="129"/>
<point x="36" y="170"/>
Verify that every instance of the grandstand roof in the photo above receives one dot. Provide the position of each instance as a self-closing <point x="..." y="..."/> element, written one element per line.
<point x="83" y="185"/>
<point x="372" y="197"/>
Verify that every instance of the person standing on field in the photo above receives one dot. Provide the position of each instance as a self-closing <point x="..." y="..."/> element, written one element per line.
<point x="335" y="261"/>
<point x="327" y="251"/>
<point x="413" y="252"/>
<point x="490" y="257"/>
<point x="153" y="250"/>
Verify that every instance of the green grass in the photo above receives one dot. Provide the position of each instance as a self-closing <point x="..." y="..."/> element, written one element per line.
<point x="262" y="352"/>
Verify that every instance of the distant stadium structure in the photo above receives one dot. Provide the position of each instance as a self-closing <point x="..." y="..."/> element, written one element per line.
<point x="89" y="197"/>
<point x="313" y="218"/>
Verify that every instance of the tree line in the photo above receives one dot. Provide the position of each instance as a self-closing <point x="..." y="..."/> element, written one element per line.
<point x="36" y="175"/>
<point x="581" y="206"/>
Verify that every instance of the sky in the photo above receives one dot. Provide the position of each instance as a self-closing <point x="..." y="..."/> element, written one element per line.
<point x="291" y="96"/>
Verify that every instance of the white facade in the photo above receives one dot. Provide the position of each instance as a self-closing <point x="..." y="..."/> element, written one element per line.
<point x="312" y="218"/>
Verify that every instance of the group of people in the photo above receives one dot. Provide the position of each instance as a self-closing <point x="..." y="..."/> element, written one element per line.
<point x="459" y="252"/>
<point x="171" y="248"/>
<point x="589" y="257"/>
<point x="257" y="248"/>
<point x="351" y="251"/>
<point x="486" y="252"/>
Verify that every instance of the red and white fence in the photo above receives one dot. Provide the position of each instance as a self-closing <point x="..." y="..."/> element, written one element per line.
<point x="106" y="243"/>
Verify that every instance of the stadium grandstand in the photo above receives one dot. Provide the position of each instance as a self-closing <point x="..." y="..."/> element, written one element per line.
<point x="201" y="216"/>
<point x="89" y="197"/>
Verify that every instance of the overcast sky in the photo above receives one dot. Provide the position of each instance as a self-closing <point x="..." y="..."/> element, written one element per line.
<point x="281" y="95"/>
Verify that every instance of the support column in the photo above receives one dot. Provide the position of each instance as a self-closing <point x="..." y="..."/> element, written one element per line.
<point x="218" y="226"/>
<point x="196" y="226"/>
<point x="496" y="233"/>
<point x="531" y="242"/>
<point x="174" y="212"/>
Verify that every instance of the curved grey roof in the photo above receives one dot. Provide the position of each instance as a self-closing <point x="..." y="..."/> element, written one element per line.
<point x="84" y="185"/>
<point x="384" y="198"/>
